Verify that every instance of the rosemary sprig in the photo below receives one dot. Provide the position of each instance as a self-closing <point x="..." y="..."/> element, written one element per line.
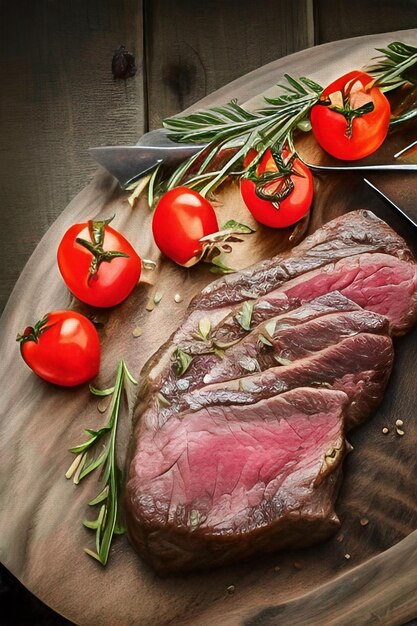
<point x="396" y="66"/>
<point x="90" y="456"/>
<point x="232" y="127"/>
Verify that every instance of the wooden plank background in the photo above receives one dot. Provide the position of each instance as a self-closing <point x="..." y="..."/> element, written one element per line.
<point x="58" y="96"/>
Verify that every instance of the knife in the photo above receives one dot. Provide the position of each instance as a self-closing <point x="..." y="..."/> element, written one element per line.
<point x="126" y="163"/>
<point x="129" y="162"/>
<point x="395" y="206"/>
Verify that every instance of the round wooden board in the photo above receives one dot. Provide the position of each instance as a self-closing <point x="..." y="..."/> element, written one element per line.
<point x="41" y="534"/>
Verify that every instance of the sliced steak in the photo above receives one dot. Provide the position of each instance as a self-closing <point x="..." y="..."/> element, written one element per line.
<point x="227" y="463"/>
<point x="225" y="483"/>
<point x="282" y="340"/>
<point x="350" y="234"/>
<point x="360" y="366"/>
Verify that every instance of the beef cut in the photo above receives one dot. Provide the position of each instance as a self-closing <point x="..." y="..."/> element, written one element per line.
<point x="239" y="452"/>
<point x="225" y="479"/>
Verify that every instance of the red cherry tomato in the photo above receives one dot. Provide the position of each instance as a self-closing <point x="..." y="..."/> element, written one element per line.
<point x="287" y="211"/>
<point x="343" y="123"/>
<point x="181" y="218"/>
<point x="98" y="264"/>
<point x="62" y="348"/>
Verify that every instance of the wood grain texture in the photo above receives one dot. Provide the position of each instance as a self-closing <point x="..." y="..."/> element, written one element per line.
<point x="338" y="20"/>
<point x="40" y="514"/>
<point x="193" y="48"/>
<point x="58" y="98"/>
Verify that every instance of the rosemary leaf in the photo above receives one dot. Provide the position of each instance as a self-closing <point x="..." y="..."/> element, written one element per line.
<point x="101" y="496"/>
<point x="101" y="392"/>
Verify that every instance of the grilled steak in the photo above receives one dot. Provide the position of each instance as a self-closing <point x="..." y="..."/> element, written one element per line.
<point x="351" y="234"/>
<point x="209" y="484"/>
<point x="280" y="342"/>
<point x="239" y="452"/>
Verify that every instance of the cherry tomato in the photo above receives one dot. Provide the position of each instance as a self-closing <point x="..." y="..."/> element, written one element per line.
<point x="62" y="348"/>
<point x="98" y="264"/>
<point x="295" y="188"/>
<point x="352" y="118"/>
<point x="181" y="218"/>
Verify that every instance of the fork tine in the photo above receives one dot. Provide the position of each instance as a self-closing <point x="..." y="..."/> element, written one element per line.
<point x="406" y="149"/>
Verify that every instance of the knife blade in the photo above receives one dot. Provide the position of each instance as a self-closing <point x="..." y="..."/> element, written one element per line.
<point x="129" y="162"/>
<point x="390" y="202"/>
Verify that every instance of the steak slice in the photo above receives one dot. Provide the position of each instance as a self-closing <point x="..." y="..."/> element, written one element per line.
<point x="224" y="483"/>
<point x="350" y="234"/>
<point x="377" y="282"/>
<point x="359" y="366"/>
<point x="282" y="340"/>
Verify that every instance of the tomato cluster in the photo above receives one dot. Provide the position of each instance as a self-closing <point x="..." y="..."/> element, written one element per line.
<point x="101" y="268"/>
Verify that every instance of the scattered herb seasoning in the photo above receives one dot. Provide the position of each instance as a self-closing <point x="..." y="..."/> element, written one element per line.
<point x="218" y="267"/>
<point x="270" y="327"/>
<point x="148" y="264"/>
<point x="204" y="328"/>
<point x="238" y="228"/>
<point x="264" y="341"/>
<point x="181" y="361"/>
<point x="244" y="316"/>
<point x="103" y="405"/>
<point x="162" y="400"/>
<point x="282" y="360"/>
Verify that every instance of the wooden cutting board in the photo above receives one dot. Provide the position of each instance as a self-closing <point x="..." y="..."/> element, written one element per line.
<point x="366" y="574"/>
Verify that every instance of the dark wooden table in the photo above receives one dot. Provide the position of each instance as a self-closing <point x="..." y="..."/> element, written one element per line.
<point x="59" y="97"/>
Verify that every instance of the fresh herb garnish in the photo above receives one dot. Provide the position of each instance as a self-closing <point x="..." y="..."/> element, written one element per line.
<point x="204" y="328"/>
<point x="237" y="228"/>
<point x="264" y="341"/>
<point x="181" y="361"/>
<point x="396" y="67"/>
<point x="218" y="267"/>
<point x="232" y="126"/>
<point x="244" y="316"/>
<point x="90" y="456"/>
